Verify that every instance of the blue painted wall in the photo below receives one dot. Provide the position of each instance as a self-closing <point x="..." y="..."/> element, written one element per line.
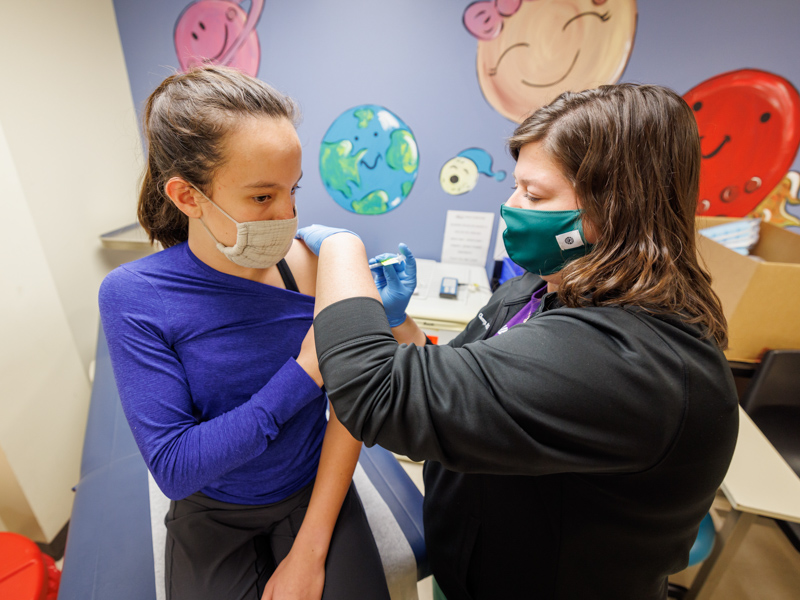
<point x="415" y="58"/>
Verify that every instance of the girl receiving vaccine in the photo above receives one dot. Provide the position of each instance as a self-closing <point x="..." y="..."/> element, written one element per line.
<point x="213" y="354"/>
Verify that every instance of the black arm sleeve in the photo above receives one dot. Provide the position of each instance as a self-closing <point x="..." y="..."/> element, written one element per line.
<point x="557" y="394"/>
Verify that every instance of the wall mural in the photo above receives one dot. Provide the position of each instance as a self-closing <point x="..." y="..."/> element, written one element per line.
<point x="219" y="32"/>
<point x="529" y="52"/>
<point x="459" y="175"/>
<point x="749" y="124"/>
<point x="773" y="207"/>
<point x="368" y="160"/>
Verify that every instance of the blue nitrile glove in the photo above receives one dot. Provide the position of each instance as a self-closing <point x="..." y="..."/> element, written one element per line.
<point x="396" y="283"/>
<point x="314" y="235"/>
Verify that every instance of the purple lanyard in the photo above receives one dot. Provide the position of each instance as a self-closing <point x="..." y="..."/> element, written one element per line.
<point x="527" y="311"/>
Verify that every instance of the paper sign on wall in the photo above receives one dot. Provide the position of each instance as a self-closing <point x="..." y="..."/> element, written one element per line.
<point x="466" y="237"/>
<point x="499" y="245"/>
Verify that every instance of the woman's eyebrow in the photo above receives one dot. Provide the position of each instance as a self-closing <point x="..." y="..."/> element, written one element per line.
<point x="530" y="182"/>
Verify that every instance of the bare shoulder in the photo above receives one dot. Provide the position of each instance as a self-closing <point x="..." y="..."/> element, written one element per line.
<point x="303" y="264"/>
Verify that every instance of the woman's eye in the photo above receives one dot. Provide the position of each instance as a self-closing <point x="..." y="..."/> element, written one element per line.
<point x="262" y="199"/>
<point x="294" y="189"/>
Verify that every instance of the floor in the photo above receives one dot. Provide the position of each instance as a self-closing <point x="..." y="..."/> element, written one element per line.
<point x="766" y="567"/>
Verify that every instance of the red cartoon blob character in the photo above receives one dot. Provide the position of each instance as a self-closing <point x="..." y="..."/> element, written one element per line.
<point x="749" y="124"/>
<point x="219" y="32"/>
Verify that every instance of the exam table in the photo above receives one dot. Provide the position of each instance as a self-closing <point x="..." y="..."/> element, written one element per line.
<point x="115" y="545"/>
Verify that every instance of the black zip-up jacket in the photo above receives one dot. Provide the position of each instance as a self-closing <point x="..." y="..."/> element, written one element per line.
<point x="572" y="457"/>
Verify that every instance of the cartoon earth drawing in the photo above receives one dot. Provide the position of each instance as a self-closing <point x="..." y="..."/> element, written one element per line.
<point x="459" y="175"/>
<point x="749" y="124"/>
<point x="529" y="52"/>
<point x="219" y="32"/>
<point x="368" y="160"/>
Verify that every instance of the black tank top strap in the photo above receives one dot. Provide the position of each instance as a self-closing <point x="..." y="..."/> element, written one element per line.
<point x="286" y="275"/>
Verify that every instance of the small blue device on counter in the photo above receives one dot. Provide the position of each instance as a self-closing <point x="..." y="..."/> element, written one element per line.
<point x="449" y="288"/>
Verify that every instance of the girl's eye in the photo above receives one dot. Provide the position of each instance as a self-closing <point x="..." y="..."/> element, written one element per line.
<point x="294" y="189"/>
<point x="262" y="199"/>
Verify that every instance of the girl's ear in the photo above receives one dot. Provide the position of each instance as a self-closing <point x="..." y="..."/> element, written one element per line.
<point x="183" y="196"/>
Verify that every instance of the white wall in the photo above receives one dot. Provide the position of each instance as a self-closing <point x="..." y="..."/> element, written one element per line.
<point x="70" y="123"/>
<point x="70" y="160"/>
<point x="45" y="391"/>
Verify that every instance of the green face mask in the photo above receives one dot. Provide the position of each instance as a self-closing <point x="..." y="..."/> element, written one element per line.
<point x="542" y="241"/>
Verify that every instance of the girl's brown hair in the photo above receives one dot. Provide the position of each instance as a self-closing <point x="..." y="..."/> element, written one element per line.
<point x="632" y="154"/>
<point x="186" y="120"/>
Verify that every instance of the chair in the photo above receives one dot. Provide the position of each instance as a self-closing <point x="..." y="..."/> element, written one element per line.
<point x="503" y="271"/>
<point x="700" y="550"/>
<point x="773" y="402"/>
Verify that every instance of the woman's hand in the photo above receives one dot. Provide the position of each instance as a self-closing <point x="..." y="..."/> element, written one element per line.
<point x="299" y="576"/>
<point x="314" y="235"/>
<point x="307" y="359"/>
<point x="396" y="283"/>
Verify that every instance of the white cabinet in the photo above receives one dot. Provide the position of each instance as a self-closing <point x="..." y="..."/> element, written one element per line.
<point x="445" y="318"/>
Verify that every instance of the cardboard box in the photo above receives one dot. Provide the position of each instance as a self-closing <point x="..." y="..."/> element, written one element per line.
<point x="760" y="298"/>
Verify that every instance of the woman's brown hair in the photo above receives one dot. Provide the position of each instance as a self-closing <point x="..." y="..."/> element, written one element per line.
<point x="186" y="120"/>
<point x="632" y="154"/>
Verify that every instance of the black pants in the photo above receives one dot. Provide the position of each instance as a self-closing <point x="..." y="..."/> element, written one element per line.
<point x="218" y="550"/>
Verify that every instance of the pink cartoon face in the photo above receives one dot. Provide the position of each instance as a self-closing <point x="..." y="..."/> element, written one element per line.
<point x="219" y="32"/>
<point x="531" y="51"/>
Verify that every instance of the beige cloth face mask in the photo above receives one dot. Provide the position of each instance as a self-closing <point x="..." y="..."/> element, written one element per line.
<point x="259" y="244"/>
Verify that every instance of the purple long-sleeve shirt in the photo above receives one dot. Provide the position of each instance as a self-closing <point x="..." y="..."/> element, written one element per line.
<point x="205" y="366"/>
